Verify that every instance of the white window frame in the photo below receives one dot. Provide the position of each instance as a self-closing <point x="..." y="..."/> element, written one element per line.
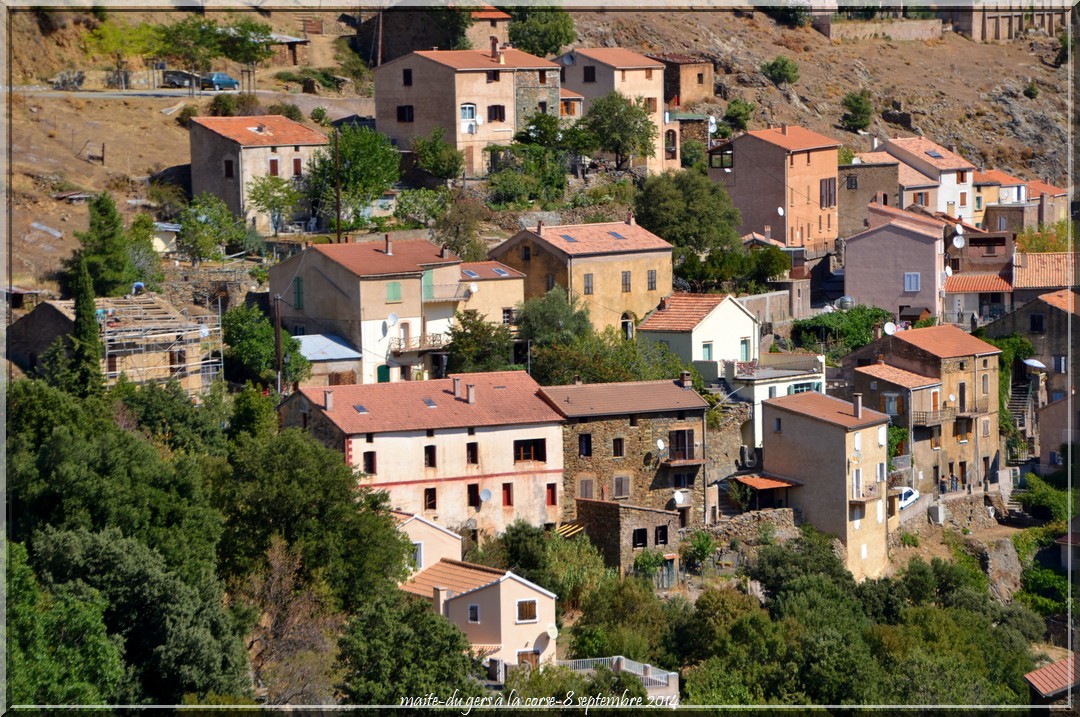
<point x="418" y="553"/>
<point x="856" y="482"/>
<point x="895" y="399"/>
<point x="881" y="472"/>
<point x="858" y="441"/>
<point x="463" y="110"/>
<point x="912" y="282"/>
<point x="882" y="435"/>
<point x="469" y="614"/>
<point x="706" y="351"/>
<point x="517" y="611"/>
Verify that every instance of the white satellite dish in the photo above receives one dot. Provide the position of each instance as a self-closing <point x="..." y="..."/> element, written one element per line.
<point x="856" y="458"/>
<point x="680" y="497"/>
<point x="568" y="59"/>
<point x="958" y="241"/>
<point x="712" y="125"/>
<point x="952" y="398"/>
<point x="392" y="319"/>
<point x="890" y="328"/>
<point x="479" y="121"/>
<point x="473" y="288"/>
<point x="204" y="331"/>
<point x="780" y="211"/>
<point x="659" y="444"/>
<point x="959" y="228"/>
<point x="485" y="495"/>
<point x="948" y="271"/>
<point x="553" y="631"/>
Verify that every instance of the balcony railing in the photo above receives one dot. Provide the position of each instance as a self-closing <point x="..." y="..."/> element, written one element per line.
<point x="424" y="342"/>
<point x="932" y="418"/>
<point x="971" y="407"/>
<point x="869" y="492"/>
<point x="445" y="292"/>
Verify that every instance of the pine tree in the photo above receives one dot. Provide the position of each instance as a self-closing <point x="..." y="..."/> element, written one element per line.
<point x="86" y="345"/>
<point x="105" y="250"/>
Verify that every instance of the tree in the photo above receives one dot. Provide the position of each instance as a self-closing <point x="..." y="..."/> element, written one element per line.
<point x="738" y="113"/>
<point x="85" y="339"/>
<point x="622" y="617"/>
<point x="860" y="110"/>
<point x="689" y="210"/>
<point x="247" y="41"/>
<point x="553" y="319"/>
<point x="459" y="228"/>
<point x="206" y="225"/>
<point x="692" y="153"/>
<point x="604" y="357"/>
<point x="250" y="352"/>
<point x="781" y="70"/>
<point x="369" y="165"/>
<point x="144" y="257"/>
<point x="438" y="157"/>
<point x="422" y="206"/>
<point x="542" y="129"/>
<point x="1065" y="46"/>
<point x="621" y="126"/>
<point x="793" y="13"/>
<point x="275" y="196"/>
<point x="541" y="32"/>
<point x="394" y="646"/>
<point x="478" y="345"/>
<point x="194" y="42"/>
<point x="105" y="249"/>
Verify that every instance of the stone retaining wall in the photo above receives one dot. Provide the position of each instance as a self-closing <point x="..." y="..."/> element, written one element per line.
<point x="892" y="30"/>
<point x="967" y="512"/>
<point x="746" y="527"/>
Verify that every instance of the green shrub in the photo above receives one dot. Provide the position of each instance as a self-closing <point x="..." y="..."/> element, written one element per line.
<point x="510" y="187"/>
<point x="223" y="105"/>
<point x="781" y="70"/>
<point x="692" y="152"/>
<point x="860" y="110"/>
<point x="1031" y="540"/>
<point x="186" y="113"/>
<point x="648" y="561"/>
<point x="1042" y="500"/>
<point x="260" y="274"/>
<point x="247" y="105"/>
<point x="909" y="540"/>
<point x="738" y="113"/>
<point x="286" y="109"/>
<point x="766" y="533"/>
<point x="319" y="116"/>
<point x="1031" y="91"/>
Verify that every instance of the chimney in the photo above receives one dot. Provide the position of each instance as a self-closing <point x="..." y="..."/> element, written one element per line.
<point x="442" y="251"/>
<point x="494" y="46"/>
<point x="502" y="58"/>
<point x="328" y="400"/>
<point x="857" y="404"/>
<point x="881" y="359"/>
<point x="457" y="387"/>
<point x="540" y="227"/>
<point x="952" y="148"/>
<point x="873" y="143"/>
<point x="440" y="595"/>
<point x="879" y="199"/>
<point x="577" y="379"/>
<point x="389" y="246"/>
<point x="663" y="303"/>
<point x="630" y="217"/>
<point x="877" y="334"/>
<point x="470" y="391"/>
<point x="768" y="231"/>
<point x="771" y="125"/>
<point x="783" y="128"/>
<point x="685" y="380"/>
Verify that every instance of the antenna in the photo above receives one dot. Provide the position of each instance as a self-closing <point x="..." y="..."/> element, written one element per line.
<point x="485" y="495"/>
<point x="958" y="241"/>
<point x="660" y="444"/>
<point x="568" y="59"/>
<point x="392" y="319"/>
<point x="890" y="328"/>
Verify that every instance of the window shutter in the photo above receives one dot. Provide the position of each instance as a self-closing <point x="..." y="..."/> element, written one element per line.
<point x="690" y="444"/>
<point x="899" y="404"/>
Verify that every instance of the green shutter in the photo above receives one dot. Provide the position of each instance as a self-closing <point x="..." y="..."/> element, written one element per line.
<point x="393" y="291"/>
<point x="298" y="292"/>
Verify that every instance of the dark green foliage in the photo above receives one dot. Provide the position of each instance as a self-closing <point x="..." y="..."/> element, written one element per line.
<point x="478" y="345"/>
<point x="845" y="330"/>
<point x="223" y="105"/>
<point x="164" y="412"/>
<point x="250" y="353"/>
<point x="1044" y="501"/>
<point x="552" y="319"/>
<point x="394" y="646"/>
<point x="604" y="358"/>
<point x="529" y="171"/>
<point x="246" y="41"/>
<point x="1065" y="46"/>
<point x="286" y="109"/>
<point x="860" y="110"/>
<point x="192" y="42"/>
<point x="621" y="617"/>
<point x="621" y="126"/>
<point x="144" y="258"/>
<point x="1031" y="90"/>
<point x="369" y="166"/>
<point x="1046" y="591"/>
<point x="421" y="207"/>
<point x="253" y="414"/>
<point x="1014" y="348"/>
<point x="319" y="116"/>
<point x="183" y="117"/>
<point x="459" y="226"/>
<point x="438" y="157"/>
<point x="205" y="226"/>
<point x="86" y="347"/>
<point x="741" y="271"/>
<point x="810" y="554"/>
<point x="525" y="549"/>
<point x="541" y="31"/>
<point x="324" y="76"/>
<point x="692" y="153"/>
<point x="792" y="13"/>
<point x="883" y="599"/>
<point x="689" y="210"/>
<point x="738" y="113"/>
<point x="918" y="580"/>
<point x="105" y="249"/>
<point x="781" y="70"/>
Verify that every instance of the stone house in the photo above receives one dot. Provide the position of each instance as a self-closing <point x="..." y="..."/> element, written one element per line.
<point x="621" y="531"/>
<point x="479" y="98"/>
<point x="832" y="458"/>
<point x="640" y="443"/>
<point x="1055" y="432"/>
<point x="431" y="542"/>
<point x="960" y="422"/>
<point x="788" y="168"/>
<point x="595" y="71"/>
<point x="488" y="22"/>
<point x="288" y="50"/>
<point x="705" y="330"/>
<point x="471" y="452"/>
<point x="396" y="31"/>
<point x="1054" y="201"/>
<point x="571" y="105"/>
<point x="333" y="361"/>
<point x="1035" y="274"/>
<point x="619" y="270"/>
<point x="229" y="153"/>
<point x="860" y="184"/>
<point x="687" y="79"/>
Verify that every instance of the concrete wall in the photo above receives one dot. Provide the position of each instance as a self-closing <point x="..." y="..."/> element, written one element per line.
<point x="435" y="544"/>
<point x="1006" y="21"/>
<point x="876" y="261"/>
<point x="869" y="180"/>
<point x="495" y="296"/>
<point x="891" y="29"/>
<point x="528" y="636"/>
<point x="610" y="526"/>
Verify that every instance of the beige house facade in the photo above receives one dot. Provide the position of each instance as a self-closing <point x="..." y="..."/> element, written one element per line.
<point x="431" y="542"/>
<point x="704" y="329"/>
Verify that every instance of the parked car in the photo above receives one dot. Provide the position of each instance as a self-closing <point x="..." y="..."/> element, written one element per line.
<point x="218" y="81"/>
<point x="177" y="78"/>
<point x="908" y="496"/>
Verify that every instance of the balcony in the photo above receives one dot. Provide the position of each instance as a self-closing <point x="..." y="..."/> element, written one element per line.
<point x="424" y="342"/>
<point x="971" y="408"/>
<point x="681" y="458"/>
<point x="870" y="492"/>
<point x="445" y="293"/>
<point x="932" y="418"/>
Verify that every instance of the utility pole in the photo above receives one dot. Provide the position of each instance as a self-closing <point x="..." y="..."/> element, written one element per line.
<point x="337" y="177"/>
<point x="277" y="338"/>
<point x="378" y="59"/>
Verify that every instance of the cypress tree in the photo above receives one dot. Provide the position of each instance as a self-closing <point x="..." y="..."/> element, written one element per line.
<point x="85" y="339"/>
<point x="105" y="250"/>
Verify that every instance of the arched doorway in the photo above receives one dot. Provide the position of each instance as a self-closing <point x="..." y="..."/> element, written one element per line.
<point x="627" y="324"/>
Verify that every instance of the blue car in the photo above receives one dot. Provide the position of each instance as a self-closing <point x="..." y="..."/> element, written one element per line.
<point x="218" y="81"/>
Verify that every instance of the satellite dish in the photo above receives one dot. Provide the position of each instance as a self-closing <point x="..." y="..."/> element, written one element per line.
<point x="948" y="271"/>
<point x="568" y="59"/>
<point x="479" y="120"/>
<point x="712" y="125"/>
<point x="680" y="497"/>
<point x="473" y="288"/>
<point x="552" y="631"/>
<point x="204" y="331"/>
<point x="952" y="398"/>
<point x="856" y="458"/>
<point x="958" y="241"/>
<point x="780" y="211"/>
<point x="659" y="444"/>
<point x="890" y="328"/>
<point x="959" y="228"/>
<point x="392" y="319"/>
<point x="485" y="495"/>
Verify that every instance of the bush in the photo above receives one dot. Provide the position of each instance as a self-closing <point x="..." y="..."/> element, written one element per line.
<point x="286" y="109"/>
<point x="319" y="116"/>
<point x="738" y="113"/>
<point x="781" y="70"/>
<point x="1031" y="91"/>
<point x="186" y="113"/>
<point x="794" y="14"/>
<point x="223" y="106"/>
<point x="909" y="540"/>
<point x="692" y="152"/>
<point x="248" y="105"/>
<point x="647" y="562"/>
<point x="860" y="110"/>
<point x="510" y="187"/>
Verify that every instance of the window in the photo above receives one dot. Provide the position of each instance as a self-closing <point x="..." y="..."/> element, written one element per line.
<point x="892" y="402"/>
<point x="393" y="292"/>
<point x="298" y="292"/>
<point x="472" y="453"/>
<point x="429" y="456"/>
<point x="430" y="502"/>
<point x="468" y="111"/>
<point x="912" y="281"/>
<point x="963" y="199"/>
<point x="660" y="537"/>
<point x="682" y="480"/>
<point x="549" y="282"/>
<point x="985" y="384"/>
<point x="406" y="77"/>
<point x="650" y="105"/>
<point x="493" y="76"/>
<point x="827" y="191"/>
<point x="405" y="113"/>
<point x="1037" y="323"/>
<point x="772" y="391"/>
<point x="369" y="437"/>
<point x="496" y="113"/>
<point x="986" y="427"/>
<point x="533" y="449"/>
<point x="858" y="441"/>
<point x="369" y="463"/>
<point x="584" y="443"/>
<point x="508" y="494"/>
<point x="562" y="75"/>
<point x="776" y="425"/>
<point x="228" y="169"/>
<point x="805" y="387"/>
<point x="589" y="74"/>
<point x="961" y="178"/>
<point x="622" y="77"/>
<point x="617" y="447"/>
<point x="990" y="249"/>
<point x="706" y="351"/>
<point x="723" y="159"/>
<point x="273" y="168"/>
<point x="526" y="611"/>
<point x="588" y="284"/>
<point x="640" y="538"/>
<point x="681" y="445"/>
<point x="585" y="488"/>
<point x="651" y="278"/>
<point x="431" y="431"/>
<point x="473" y="495"/>
<point x="569" y="108"/>
<point x="935" y="438"/>
<point x="962" y="430"/>
<point x="474" y="613"/>
<point x="626" y="281"/>
<point x="526" y="253"/>
<point x="552" y="494"/>
<point x="541" y="77"/>
<point x="978" y="202"/>
<point x="856" y="483"/>
<point x="852" y="181"/>
<point x="744" y="348"/>
<point x="297" y="167"/>
<point x="1061" y="364"/>
<point x="701" y="78"/>
<point x="648" y="74"/>
<point x="921" y="198"/>
<point x="880" y="472"/>
<point x="882" y="435"/>
<point x="508" y="316"/>
<point x="542" y="107"/>
<point x="622" y="487"/>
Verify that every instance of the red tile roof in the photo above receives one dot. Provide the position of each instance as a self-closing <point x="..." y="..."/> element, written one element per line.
<point x="828" y="409"/>
<point x="570" y="94"/>
<point x="996" y="176"/>
<point x="1055" y="677"/>
<point x="600" y="238"/>
<point x="681" y="312"/>
<point x="612" y="399"/>
<point x="913" y="221"/>
<point x="760" y="482"/>
<point x="898" y="376"/>
<point x="486" y="271"/>
<point x="1037" y="188"/>
<point x="371" y="259"/>
<point x="478" y="60"/>
<point x="919" y="146"/>
<point x="487" y="12"/>
<point x="456" y="576"/>
<point x="678" y="58"/>
<point x="276" y="130"/>
<point x="946" y="341"/>
<point x="1066" y="300"/>
<point x="618" y="58"/>
<point x="502" y="398"/>
<point x="1049" y="270"/>
<point x="973" y="282"/>
<point x="755" y="238"/>
<point x="907" y="176"/>
<point x="794" y="138"/>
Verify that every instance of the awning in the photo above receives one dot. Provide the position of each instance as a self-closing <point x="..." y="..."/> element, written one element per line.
<point x="763" y="483"/>
<point x="484" y="650"/>
<point x="570" y="529"/>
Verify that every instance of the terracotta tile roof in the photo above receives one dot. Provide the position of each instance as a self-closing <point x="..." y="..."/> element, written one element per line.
<point x="973" y="282"/>
<point x="618" y="57"/>
<point x="898" y="376"/>
<point x="875" y="157"/>
<point x="277" y="130"/>
<point x="946" y="341"/>
<point x="1055" y="677"/>
<point x="486" y="270"/>
<point x="1037" y="188"/>
<point x="487" y="12"/>
<point x="828" y="409"/>
<point x="907" y="176"/>
<point x="913" y="221"/>
<point x="476" y="60"/>
<point x="502" y="398"/>
<point x="1066" y="300"/>
<point x="761" y="482"/>
<point x="919" y="146"/>
<point x="602" y="238"/>
<point x="371" y="259"/>
<point x="681" y="312"/>
<point x="755" y="238"/>
<point x="454" y="575"/>
<point x="979" y="178"/>
<point x="794" y="138"/>
<point x="1049" y="270"/>
<point x="570" y="94"/>
<point x="611" y="399"/>
<point x="996" y="176"/>
<point x="678" y="58"/>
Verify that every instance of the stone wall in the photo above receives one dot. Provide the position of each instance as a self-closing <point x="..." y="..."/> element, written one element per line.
<point x="892" y="30"/>
<point x="969" y="511"/>
<point x="206" y="284"/>
<point x="529" y="93"/>
<point x="610" y="526"/>
<point x="746" y="527"/>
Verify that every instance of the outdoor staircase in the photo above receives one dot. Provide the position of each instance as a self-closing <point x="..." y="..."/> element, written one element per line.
<point x="725" y="509"/>
<point x="1019" y="404"/>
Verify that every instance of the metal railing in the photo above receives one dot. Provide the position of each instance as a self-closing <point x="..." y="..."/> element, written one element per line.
<point x="423" y="342"/>
<point x="971" y="407"/>
<point x="445" y="292"/>
<point x="649" y="676"/>
<point x="932" y="418"/>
